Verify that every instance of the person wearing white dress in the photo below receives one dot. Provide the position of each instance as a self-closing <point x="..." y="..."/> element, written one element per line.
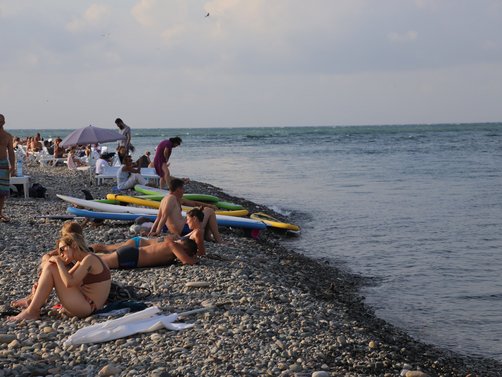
<point x="129" y="175"/>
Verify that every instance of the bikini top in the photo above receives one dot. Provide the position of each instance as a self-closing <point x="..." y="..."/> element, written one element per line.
<point x="98" y="278"/>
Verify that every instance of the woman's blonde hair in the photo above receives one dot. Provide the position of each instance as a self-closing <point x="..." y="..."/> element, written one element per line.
<point x="75" y="239"/>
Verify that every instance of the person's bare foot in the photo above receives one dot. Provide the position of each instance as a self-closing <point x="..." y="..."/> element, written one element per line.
<point x="21" y="303"/>
<point x="24" y="315"/>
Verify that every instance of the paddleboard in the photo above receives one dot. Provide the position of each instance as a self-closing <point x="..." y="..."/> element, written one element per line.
<point x="229" y="221"/>
<point x="147" y="190"/>
<point x="133" y="200"/>
<point x="228" y="205"/>
<point x="154" y="204"/>
<point x="107" y="215"/>
<point x="236" y="213"/>
<point x="104" y="207"/>
<point x="273" y="222"/>
<point x="56" y="217"/>
<point x="220" y="204"/>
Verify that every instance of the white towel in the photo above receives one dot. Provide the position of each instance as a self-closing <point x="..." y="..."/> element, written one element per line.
<point x="140" y="322"/>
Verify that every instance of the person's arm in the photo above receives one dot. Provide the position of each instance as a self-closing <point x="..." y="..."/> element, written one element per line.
<point x="195" y="203"/>
<point x="131" y="169"/>
<point x="180" y="253"/>
<point x="12" y="156"/>
<point x="128" y="136"/>
<point x="161" y="219"/>
<point x="198" y="237"/>
<point x="75" y="276"/>
<point x="167" y="153"/>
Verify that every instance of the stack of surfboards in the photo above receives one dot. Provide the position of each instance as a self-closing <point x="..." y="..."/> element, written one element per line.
<point x="98" y="210"/>
<point x="153" y="193"/>
<point x="116" y="207"/>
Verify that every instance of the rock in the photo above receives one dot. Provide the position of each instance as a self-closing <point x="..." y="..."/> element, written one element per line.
<point x="48" y="330"/>
<point x="320" y="373"/>
<point x="416" y="373"/>
<point x="6" y="338"/>
<point x="109" y="370"/>
<point x="14" y="344"/>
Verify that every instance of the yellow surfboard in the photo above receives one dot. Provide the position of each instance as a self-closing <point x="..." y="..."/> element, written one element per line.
<point x="155" y="204"/>
<point x="273" y="222"/>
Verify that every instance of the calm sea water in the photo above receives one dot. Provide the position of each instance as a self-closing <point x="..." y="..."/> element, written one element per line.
<point x="417" y="208"/>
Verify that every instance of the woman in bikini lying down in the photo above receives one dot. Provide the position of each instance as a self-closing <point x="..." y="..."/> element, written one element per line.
<point x="81" y="290"/>
<point x="194" y="220"/>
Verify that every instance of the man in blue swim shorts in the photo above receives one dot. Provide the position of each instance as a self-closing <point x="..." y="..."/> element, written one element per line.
<point x="7" y="166"/>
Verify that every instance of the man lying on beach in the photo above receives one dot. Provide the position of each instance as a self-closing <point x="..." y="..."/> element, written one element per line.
<point x="195" y="221"/>
<point x="170" y="214"/>
<point x="157" y="254"/>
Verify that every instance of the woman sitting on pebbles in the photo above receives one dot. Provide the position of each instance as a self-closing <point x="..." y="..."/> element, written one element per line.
<point x="81" y="290"/>
<point x="67" y="228"/>
<point x="195" y="221"/>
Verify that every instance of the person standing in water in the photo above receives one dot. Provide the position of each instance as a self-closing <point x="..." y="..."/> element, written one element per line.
<point x="161" y="159"/>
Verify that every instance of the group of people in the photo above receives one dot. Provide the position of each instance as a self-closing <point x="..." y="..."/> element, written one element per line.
<point x="80" y="274"/>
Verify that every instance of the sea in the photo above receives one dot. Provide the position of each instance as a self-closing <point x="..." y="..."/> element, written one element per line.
<point x="416" y="209"/>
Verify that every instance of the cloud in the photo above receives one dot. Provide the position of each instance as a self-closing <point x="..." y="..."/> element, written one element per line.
<point x="408" y="36"/>
<point x="144" y="11"/>
<point x="92" y="16"/>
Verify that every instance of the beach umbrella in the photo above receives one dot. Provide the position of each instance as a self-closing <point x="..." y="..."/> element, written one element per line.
<point x="91" y="135"/>
<point x="141" y="322"/>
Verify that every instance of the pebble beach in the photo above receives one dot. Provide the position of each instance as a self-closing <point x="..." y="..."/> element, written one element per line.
<point x="269" y="311"/>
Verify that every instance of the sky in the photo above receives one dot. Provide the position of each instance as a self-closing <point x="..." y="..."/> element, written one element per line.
<point x="249" y="63"/>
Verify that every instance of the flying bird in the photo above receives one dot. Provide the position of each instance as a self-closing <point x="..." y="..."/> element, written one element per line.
<point x="207" y="15"/>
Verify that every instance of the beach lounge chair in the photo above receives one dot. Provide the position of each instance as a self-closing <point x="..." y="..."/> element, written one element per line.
<point x="109" y="172"/>
<point x="151" y="175"/>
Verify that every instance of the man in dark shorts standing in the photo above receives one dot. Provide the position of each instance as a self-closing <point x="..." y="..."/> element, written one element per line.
<point x="7" y="166"/>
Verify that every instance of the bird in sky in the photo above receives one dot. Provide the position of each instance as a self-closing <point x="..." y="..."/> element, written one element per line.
<point x="207" y="15"/>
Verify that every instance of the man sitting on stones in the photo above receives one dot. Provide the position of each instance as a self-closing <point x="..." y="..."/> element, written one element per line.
<point x="170" y="214"/>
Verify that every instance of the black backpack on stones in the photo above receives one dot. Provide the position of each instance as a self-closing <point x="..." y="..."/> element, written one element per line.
<point x="37" y="191"/>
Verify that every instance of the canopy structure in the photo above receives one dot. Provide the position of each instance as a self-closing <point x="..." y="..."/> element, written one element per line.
<point x="91" y="135"/>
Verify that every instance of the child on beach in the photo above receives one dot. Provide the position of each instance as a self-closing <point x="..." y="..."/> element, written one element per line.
<point x="81" y="290"/>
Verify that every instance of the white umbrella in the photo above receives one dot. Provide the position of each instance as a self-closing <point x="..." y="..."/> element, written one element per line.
<point x="91" y="135"/>
<point x="144" y="321"/>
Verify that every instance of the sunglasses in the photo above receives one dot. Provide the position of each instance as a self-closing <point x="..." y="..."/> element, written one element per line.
<point x="62" y="249"/>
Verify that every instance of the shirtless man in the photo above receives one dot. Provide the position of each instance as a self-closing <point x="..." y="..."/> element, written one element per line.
<point x="156" y="254"/>
<point x="194" y="219"/>
<point x="170" y="214"/>
<point x="7" y="166"/>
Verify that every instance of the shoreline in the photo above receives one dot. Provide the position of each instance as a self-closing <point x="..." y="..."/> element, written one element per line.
<point x="285" y="314"/>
